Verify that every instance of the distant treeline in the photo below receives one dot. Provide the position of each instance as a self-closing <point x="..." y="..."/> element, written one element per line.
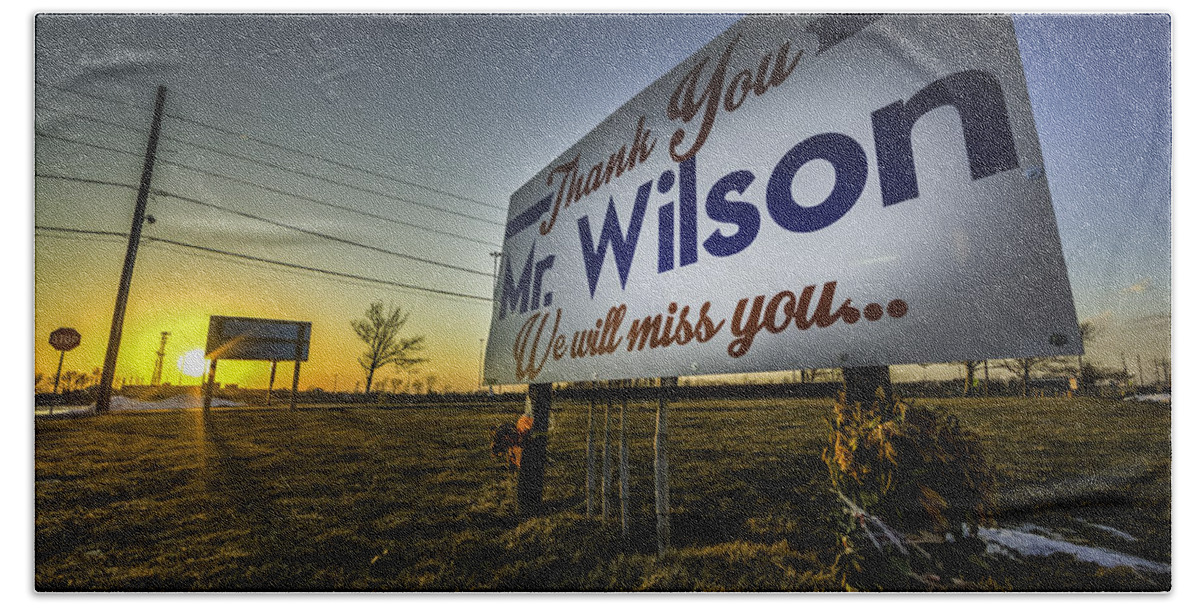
<point x="642" y="390"/>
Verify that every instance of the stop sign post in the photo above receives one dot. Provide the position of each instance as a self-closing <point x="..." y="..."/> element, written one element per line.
<point x="63" y="339"/>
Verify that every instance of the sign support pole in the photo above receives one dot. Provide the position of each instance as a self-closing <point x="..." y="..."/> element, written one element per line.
<point x="662" y="496"/>
<point x="623" y="451"/>
<point x="135" y="237"/>
<point x="531" y="475"/>
<point x="58" y="373"/>
<point x="208" y="388"/>
<point x="591" y="453"/>
<point x="271" y="382"/>
<point x="606" y="457"/>
<point x="295" y="384"/>
<point x="296" y="367"/>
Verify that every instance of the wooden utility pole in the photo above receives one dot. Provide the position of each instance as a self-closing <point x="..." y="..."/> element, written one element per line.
<point x="662" y="495"/>
<point x="531" y="475"/>
<point x="135" y="236"/>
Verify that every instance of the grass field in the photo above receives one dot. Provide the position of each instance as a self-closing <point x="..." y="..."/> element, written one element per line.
<point x="409" y="498"/>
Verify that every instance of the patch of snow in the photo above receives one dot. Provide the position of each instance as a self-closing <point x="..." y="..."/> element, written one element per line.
<point x="127" y="404"/>
<point x="1036" y="529"/>
<point x="1034" y="545"/>
<point x="1121" y="534"/>
<point x="178" y="402"/>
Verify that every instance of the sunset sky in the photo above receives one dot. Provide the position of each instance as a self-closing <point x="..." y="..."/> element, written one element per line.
<point x="408" y="134"/>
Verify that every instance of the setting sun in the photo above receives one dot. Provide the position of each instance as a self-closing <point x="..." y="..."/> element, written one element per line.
<point x="191" y="363"/>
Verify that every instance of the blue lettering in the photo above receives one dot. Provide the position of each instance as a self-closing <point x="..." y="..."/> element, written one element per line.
<point x="850" y="166"/>
<point x="688" y="251"/>
<point x="512" y="294"/>
<point x="980" y="104"/>
<point x="666" y="237"/>
<point x="742" y="214"/>
<point x="623" y="245"/>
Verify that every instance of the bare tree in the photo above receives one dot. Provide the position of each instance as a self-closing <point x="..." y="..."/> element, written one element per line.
<point x="969" y="381"/>
<point x="1087" y="334"/>
<point x="380" y="331"/>
<point x="1028" y="366"/>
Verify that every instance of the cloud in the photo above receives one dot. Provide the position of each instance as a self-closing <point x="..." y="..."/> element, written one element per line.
<point x="1138" y="287"/>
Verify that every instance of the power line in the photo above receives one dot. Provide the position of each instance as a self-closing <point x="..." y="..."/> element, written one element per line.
<point x="90" y="118"/>
<point x="264" y="163"/>
<point x="322" y="235"/>
<point x="277" y="145"/>
<point x="322" y="158"/>
<point x="249" y="182"/>
<point x="349" y="209"/>
<point x="269" y="261"/>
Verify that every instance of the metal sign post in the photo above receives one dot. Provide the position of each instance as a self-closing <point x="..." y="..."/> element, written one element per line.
<point x="662" y="476"/>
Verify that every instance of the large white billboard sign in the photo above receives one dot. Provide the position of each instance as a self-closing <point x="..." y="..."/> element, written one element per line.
<point x="804" y="191"/>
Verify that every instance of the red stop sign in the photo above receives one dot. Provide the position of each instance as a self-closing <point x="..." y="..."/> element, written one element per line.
<point x="64" y="338"/>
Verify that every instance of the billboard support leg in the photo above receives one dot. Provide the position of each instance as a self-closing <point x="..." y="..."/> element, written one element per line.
<point x="623" y="468"/>
<point x="296" y="369"/>
<point x="271" y="382"/>
<point x="606" y="455"/>
<point x="208" y="388"/>
<point x="662" y="496"/>
<point x="591" y="453"/>
<point x="295" y="384"/>
<point x="531" y="475"/>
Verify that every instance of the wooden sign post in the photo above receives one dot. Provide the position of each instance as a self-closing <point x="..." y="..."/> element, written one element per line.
<point x="531" y="475"/>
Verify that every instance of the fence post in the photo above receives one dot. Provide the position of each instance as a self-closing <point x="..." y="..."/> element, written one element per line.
<point x="531" y="475"/>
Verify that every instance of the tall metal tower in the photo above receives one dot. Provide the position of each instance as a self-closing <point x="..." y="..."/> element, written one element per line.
<point x="162" y="351"/>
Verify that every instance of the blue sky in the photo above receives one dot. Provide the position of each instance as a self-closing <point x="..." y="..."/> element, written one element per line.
<point x="1101" y="92"/>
